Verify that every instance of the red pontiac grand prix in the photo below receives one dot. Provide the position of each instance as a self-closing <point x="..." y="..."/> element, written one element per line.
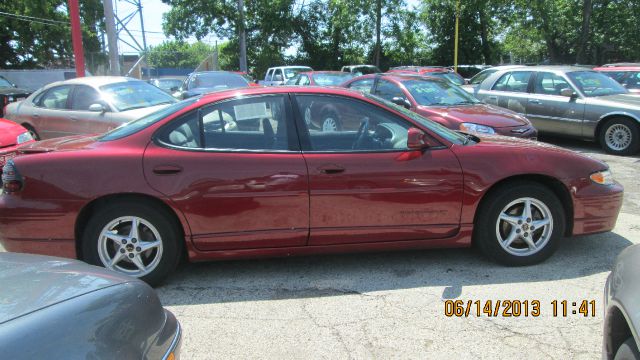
<point x="238" y="174"/>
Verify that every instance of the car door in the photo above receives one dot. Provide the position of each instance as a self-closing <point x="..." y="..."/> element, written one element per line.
<point x="375" y="189"/>
<point x="388" y="90"/>
<point x="234" y="169"/>
<point x="84" y="120"/>
<point x="50" y="114"/>
<point x="510" y="91"/>
<point x="549" y="111"/>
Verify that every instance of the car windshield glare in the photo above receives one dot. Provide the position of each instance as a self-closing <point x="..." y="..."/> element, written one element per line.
<point x="291" y="72"/>
<point x="442" y="131"/>
<point x="217" y="81"/>
<point x="331" y="79"/>
<point x="593" y="84"/>
<point x="130" y="95"/>
<point x="133" y="127"/>
<point x="431" y="93"/>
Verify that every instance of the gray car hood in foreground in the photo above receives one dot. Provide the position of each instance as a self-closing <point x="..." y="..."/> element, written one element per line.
<point x="32" y="282"/>
<point x="621" y="101"/>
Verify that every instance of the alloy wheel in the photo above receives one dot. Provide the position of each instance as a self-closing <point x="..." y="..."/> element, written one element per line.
<point x="618" y="137"/>
<point x="524" y="226"/>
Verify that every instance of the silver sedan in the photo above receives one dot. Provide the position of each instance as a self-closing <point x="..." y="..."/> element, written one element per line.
<point x="567" y="100"/>
<point x="86" y="105"/>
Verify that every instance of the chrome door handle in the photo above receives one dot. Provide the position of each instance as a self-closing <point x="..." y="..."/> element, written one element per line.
<point x="331" y="169"/>
<point x="535" y="101"/>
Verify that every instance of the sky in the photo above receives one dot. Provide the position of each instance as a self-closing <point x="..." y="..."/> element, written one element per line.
<point x="152" y="11"/>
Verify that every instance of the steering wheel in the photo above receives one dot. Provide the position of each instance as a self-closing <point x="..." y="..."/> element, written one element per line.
<point x="362" y="131"/>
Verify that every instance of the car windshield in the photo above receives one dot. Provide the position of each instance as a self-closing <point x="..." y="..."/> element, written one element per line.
<point x="438" y="93"/>
<point x="365" y="70"/>
<point x="481" y="76"/>
<point x="217" y="81"/>
<point x="130" y="95"/>
<point x="593" y="84"/>
<point x="167" y="84"/>
<point x="333" y="79"/>
<point x="4" y="83"/>
<point x="133" y="127"/>
<point x="450" y="135"/>
<point x="291" y="72"/>
<point x="452" y="77"/>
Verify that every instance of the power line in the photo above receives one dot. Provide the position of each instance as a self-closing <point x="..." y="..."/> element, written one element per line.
<point x="34" y="19"/>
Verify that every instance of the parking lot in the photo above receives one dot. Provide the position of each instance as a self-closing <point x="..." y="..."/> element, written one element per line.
<point x="391" y="305"/>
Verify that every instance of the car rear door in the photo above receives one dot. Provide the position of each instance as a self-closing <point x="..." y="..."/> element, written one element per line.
<point x="234" y="169"/>
<point x="549" y="111"/>
<point x="510" y="91"/>
<point x="376" y="190"/>
<point x="50" y="115"/>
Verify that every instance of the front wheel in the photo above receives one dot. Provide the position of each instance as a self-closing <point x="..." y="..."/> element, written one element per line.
<point x="628" y="350"/>
<point x="134" y="239"/>
<point x="620" y="136"/>
<point x="519" y="224"/>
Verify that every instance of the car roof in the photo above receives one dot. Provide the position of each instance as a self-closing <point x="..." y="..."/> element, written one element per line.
<point x="259" y="90"/>
<point x="324" y="72"/>
<point x="562" y="68"/>
<point x="618" y="68"/>
<point x="400" y="76"/>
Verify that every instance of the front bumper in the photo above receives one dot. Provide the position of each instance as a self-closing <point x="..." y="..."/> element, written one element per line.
<point x="596" y="213"/>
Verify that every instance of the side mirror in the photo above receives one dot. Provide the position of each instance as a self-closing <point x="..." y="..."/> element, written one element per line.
<point x="97" y="108"/>
<point x="416" y="139"/>
<point x="568" y="92"/>
<point x="401" y="101"/>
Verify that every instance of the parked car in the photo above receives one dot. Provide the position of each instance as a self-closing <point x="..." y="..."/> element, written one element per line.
<point x="278" y="75"/>
<point x="86" y="105"/>
<point x="469" y="71"/>
<point x="168" y="85"/>
<point x="569" y="101"/>
<point x="627" y="76"/>
<point x="440" y="101"/>
<point x="9" y="93"/>
<point x="320" y="78"/>
<point x="249" y="78"/>
<point x="622" y="308"/>
<point x="54" y="308"/>
<point x="432" y="71"/>
<point x="175" y="183"/>
<point x="202" y="82"/>
<point x="472" y="85"/>
<point x="12" y="135"/>
<point x="358" y="70"/>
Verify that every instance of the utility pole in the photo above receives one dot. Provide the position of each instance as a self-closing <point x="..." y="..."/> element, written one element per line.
<point x="112" y="37"/>
<point x="455" y="50"/>
<point x="144" y="37"/>
<point x="243" y="39"/>
<point x="76" y="37"/>
<point x="378" y="24"/>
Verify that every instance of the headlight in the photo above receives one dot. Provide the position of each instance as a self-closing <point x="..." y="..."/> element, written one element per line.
<point x="24" y="137"/>
<point x="482" y="129"/>
<point x="603" y="177"/>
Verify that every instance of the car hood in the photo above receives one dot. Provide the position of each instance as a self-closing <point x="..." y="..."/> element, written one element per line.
<point x="620" y="101"/>
<point x="480" y="113"/>
<point x="75" y="142"/>
<point x="135" y="114"/>
<point x="9" y="132"/>
<point x="32" y="282"/>
<point x="14" y="91"/>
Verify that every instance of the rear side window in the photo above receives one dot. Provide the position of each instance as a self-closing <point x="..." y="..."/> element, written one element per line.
<point x="55" y="98"/>
<point x="513" y="81"/>
<point x="258" y="123"/>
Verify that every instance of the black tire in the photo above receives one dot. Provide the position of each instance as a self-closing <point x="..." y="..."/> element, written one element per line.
<point x="487" y="229"/>
<point x="330" y="115"/>
<point x="168" y="230"/>
<point x="627" y="127"/>
<point x="628" y="350"/>
<point x="33" y="131"/>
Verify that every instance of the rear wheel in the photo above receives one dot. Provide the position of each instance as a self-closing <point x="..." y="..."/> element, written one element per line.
<point x="135" y="239"/>
<point x="628" y="350"/>
<point x="519" y="224"/>
<point x="620" y="136"/>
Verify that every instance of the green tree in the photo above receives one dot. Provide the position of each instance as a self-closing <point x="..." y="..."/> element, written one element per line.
<point x="178" y="54"/>
<point x="37" y="33"/>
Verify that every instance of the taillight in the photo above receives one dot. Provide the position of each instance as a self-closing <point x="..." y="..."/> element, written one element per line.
<point x="12" y="182"/>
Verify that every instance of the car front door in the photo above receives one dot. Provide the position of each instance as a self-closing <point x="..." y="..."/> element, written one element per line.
<point x="234" y="169"/>
<point x="89" y="122"/>
<point x="549" y="111"/>
<point x="366" y="186"/>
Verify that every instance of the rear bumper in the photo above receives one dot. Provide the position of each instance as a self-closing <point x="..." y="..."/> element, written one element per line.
<point x="597" y="213"/>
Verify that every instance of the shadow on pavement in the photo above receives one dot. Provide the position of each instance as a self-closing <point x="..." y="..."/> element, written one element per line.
<point x="334" y="275"/>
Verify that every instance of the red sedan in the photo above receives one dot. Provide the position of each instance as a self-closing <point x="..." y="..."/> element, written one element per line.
<point x="12" y="135"/>
<point x="238" y="174"/>
<point x="444" y="103"/>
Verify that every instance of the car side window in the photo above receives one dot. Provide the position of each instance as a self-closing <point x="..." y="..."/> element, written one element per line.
<point x="85" y="96"/>
<point x="516" y="81"/>
<point x="549" y="84"/>
<point x="335" y="123"/>
<point x="304" y="80"/>
<point x="363" y="85"/>
<point x="55" y="98"/>
<point x="277" y="75"/>
<point x="388" y="90"/>
<point x="255" y="123"/>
